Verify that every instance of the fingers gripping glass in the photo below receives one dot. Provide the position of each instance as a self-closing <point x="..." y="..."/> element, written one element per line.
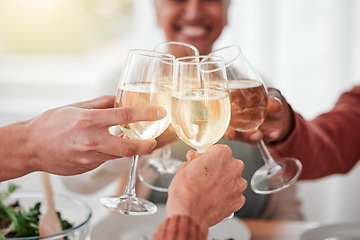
<point x="249" y="100"/>
<point x="142" y="84"/>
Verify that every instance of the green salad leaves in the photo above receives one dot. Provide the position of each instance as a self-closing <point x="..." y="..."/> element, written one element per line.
<point x="16" y="221"/>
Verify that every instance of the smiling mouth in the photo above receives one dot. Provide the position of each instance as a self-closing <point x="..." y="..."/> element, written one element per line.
<point x="193" y="31"/>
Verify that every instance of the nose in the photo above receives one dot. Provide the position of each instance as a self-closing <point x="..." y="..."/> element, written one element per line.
<point x="192" y="9"/>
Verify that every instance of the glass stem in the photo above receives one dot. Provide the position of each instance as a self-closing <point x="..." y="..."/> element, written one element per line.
<point x="165" y="156"/>
<point x="130" y="186"/>
<point x="272" y="166"/>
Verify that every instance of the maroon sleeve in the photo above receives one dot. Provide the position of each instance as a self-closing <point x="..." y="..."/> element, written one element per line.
<point x="179" y="228"/>
<point x="328" y="144"/>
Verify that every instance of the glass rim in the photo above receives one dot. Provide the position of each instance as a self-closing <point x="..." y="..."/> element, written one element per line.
<point x="212" y="53"/>
<point x="219" y="59"/>
<point x="180" y="59"/>
<point x="179" y="43"/>
<point x="152" y="54"/>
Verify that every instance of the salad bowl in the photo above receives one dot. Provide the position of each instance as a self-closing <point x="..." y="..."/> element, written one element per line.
<point x="75" y="214"/>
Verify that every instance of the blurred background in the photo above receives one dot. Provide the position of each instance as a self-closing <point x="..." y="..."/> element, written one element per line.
<point x="57" y="52"/>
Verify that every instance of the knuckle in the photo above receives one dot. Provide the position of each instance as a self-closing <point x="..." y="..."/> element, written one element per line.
<point x="244" y="184"/>
<point x="227" y="151"/>
<point x="224" y="151"/>
<point x="89" y="145"/>
<point x="129" y="150"/>
<point x="126" y="114"/>
<point x="239" y="201"/>
<point x="83" y="161"/>
<point x="242" y="200"/>
<point x="84" y="119"/>
<point x="241" y="164"/>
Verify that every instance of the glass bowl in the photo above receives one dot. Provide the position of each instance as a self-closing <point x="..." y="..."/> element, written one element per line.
<point x="75" y="211"/>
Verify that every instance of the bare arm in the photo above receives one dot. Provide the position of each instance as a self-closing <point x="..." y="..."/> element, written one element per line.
<point x="72" y="139"/>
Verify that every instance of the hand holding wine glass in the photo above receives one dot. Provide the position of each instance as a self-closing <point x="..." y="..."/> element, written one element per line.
<point x="141" y="85"/>
<point x="217" y="174"/>
<point x="200" y="112"/>
<point x="249" y="101"/>
<point x="277" y="126"/>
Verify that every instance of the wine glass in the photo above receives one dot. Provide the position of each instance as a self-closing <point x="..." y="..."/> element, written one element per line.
<point x="249" y="100"/>
<point x="141" y="85"/>
<point x="200" y="112"/>
<point x="157" y="172"/>
<point x="177" y="49"/>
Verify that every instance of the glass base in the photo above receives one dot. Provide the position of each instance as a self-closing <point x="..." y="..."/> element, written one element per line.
<point x="265" y="180"/>
<point x="129" y="205"/>
<point x="157" y="174"/>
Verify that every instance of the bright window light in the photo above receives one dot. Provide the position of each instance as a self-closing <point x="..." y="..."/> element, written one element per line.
<point x="59" y="26"/>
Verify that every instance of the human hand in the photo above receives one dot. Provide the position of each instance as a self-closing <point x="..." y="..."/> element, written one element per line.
<point x="276" y="127"/>
<point x="74" y="139"/>
<point x="208" y="187"/>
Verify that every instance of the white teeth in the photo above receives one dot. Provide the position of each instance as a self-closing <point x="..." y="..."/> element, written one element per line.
<point x="192" y="31"/>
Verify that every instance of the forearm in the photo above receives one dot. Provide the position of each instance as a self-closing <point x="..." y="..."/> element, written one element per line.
<point x="15" y="151"/>
<point x="329" y="143"/>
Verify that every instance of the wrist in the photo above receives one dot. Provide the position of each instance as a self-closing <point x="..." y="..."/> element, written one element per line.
<point x="183" y="209"/>
<point x="14" y="150"/>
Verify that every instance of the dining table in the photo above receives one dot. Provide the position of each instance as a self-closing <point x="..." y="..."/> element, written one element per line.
<point x="114" y="225"/>
<point x="278" y="229"/>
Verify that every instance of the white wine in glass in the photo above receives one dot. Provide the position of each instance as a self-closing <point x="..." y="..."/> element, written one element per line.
<point x="249" y="99"/>
<point x="143" y="94"/>
<point x="157" y="173"/>
<point x="200" y="105"/>
<point x="201" y="117"/>
<point x="142" y="84"/>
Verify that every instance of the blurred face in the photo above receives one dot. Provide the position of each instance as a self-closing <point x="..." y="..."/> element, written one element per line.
<point x="197" y="22"/>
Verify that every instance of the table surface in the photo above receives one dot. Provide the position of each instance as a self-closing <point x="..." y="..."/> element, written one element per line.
<point x="278" y="230"/>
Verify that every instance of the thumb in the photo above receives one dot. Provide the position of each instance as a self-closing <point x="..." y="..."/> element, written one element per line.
<point x="192" y="154"/>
